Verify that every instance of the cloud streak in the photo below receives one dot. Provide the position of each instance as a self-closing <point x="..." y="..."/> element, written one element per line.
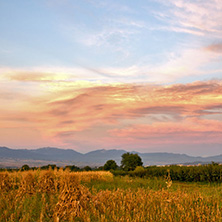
<point x="195" y="17"/>
<point x="108" y="115"/>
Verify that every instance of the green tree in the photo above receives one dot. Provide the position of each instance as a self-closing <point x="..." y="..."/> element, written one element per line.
<point x="25" y="167"/>
<point x="110" y="165"/>
<point x="130" y="161"/>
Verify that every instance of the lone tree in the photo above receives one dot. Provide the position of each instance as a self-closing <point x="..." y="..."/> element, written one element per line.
<point x="110" y="165"/>
<point x="130" y="161"/>
<point x="25" y="167"/>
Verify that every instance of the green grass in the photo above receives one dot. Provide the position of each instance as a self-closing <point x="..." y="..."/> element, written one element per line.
<point x="125" y="182"/>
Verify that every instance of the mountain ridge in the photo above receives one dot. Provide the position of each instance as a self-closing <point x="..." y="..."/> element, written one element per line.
<point x="95" y="157"/>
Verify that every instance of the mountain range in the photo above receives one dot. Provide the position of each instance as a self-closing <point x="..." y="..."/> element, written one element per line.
<point x="61" y="157"/>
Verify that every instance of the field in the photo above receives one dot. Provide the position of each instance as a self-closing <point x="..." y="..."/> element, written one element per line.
<point x="47" y="195"/>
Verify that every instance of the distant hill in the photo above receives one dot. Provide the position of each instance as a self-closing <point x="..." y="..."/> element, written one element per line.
<point x="46" y="153"/>
<point x="62" y="157"/>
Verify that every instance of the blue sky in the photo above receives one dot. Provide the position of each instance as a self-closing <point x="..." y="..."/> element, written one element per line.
<point x="107" y="39"/>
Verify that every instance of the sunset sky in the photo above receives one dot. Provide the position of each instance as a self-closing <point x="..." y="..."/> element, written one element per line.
<point x="136" y="75"/>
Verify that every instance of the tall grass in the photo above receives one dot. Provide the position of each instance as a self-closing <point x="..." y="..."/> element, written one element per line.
<point x="98" y="196"/>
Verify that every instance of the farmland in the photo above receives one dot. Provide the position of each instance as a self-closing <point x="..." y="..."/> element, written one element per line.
<point x="58" y="195"/>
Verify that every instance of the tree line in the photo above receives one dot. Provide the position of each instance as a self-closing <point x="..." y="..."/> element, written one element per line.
<point x="132" y="165"/>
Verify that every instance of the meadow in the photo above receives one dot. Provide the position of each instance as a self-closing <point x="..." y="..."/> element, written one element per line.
<point x="57" y="195"/>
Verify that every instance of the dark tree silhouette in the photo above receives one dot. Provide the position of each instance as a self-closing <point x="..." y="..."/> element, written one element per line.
<point x="87" y="168"/>
<point x="110" y="165"/>
<point x="25" y="167"/>
<point x="130" y="161"/>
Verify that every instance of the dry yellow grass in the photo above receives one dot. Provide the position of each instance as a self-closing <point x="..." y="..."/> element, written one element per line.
<point x="98" y="176"/>
<point x="59" y="196"/>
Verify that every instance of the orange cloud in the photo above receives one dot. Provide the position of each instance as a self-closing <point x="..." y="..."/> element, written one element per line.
<point x="191" y="130"/>
<point x="89" y="115"/>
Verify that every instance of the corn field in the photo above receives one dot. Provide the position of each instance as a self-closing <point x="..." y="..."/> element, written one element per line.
<point x="64" y="196"/>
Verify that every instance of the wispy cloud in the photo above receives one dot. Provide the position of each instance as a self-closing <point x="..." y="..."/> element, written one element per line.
<point x="189" y="131"/>
<point x="116" y="37"/>
<point x="194" y="17"/>
<point x="178" y="64"/>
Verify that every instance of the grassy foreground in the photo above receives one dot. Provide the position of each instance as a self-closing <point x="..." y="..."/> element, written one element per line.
<point x="98" y="196"/>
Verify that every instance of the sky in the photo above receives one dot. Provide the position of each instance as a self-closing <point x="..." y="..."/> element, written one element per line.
<point x="140" y="75"/>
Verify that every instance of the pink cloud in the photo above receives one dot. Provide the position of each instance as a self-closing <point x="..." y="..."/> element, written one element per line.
<point x="203" y="16"/>
<point x="215" y="48"/>
<point x="117" y="115"/>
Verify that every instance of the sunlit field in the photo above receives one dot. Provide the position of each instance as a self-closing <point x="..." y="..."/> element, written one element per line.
<point x="47" y="195"/>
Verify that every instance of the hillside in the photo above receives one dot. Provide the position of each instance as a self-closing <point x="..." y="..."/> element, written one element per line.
<point x="42" y="156"/>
